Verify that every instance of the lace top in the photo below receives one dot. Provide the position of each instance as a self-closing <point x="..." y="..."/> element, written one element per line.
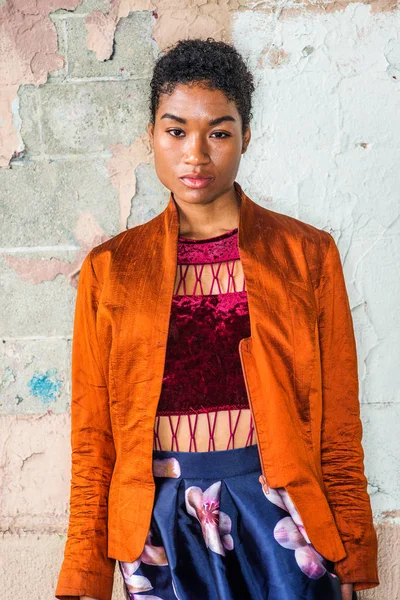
<point x="209" y="316"/>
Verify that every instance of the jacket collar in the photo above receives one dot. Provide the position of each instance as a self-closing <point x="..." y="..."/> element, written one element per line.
<point x="262" y="254"/>
<point x="247" y="217"/>
<point x="256" y="236"/>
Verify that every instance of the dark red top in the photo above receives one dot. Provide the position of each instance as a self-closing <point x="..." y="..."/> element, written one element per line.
<point x="202" y="368"/>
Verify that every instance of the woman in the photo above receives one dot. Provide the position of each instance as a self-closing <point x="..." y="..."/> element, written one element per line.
<point x="215" y="308"/>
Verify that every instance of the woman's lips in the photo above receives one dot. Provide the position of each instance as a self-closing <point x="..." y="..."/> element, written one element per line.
<point x="196" y="182"/>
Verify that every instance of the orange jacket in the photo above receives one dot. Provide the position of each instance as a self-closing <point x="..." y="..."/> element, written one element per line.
<point x="300" y="369"/>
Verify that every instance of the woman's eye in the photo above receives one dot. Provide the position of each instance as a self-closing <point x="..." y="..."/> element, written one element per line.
<point x="221" y="133"/>
<point x="175" y="130"/>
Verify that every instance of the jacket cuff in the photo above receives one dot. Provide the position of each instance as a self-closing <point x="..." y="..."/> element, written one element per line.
<point x="359" y="567"/>
<point x="71" y="585"/>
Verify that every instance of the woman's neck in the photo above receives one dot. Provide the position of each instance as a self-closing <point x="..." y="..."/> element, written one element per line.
<point x="208" y="219"/>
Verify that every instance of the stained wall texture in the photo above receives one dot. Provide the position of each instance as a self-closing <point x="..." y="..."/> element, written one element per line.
<point x="76" y="168"/>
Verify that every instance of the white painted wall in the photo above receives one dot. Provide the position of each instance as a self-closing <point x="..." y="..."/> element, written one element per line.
<point x="325" y="149"/>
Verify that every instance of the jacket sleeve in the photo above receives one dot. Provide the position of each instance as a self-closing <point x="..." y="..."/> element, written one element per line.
<point x="86" y="568"/>
<point x="341" y="448"/>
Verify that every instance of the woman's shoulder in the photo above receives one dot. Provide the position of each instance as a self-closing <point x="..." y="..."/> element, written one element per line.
<point x="118" y="241"/>
<point x="103" y="255"/>
<point x="297" y="234"/>
<point x="126" y="247"/>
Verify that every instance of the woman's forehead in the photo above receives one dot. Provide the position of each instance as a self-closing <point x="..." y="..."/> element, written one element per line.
<point x="192" y="102"/>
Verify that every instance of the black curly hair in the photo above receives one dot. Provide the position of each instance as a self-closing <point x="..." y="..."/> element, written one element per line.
<point x="218" y="64"/>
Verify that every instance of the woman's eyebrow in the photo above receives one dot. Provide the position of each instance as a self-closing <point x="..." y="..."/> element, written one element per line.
<point x="212" y="122"/>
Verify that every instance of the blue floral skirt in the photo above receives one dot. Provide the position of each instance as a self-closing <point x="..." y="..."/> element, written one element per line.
<point x="215" y="535"/>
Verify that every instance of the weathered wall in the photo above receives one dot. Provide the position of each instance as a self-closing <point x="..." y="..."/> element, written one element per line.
<point x="77" y="168"/>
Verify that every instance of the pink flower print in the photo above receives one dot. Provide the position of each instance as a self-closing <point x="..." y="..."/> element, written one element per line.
<point x="309" y="562"/>
<point x="281" y="498"/>
<point x="275" y="497"/>
<point x="151" y="555"/>
<point x="134" y="583"/>
<point x="166" y="467"/>
<point x="290" y="533"/>
<point x="215" y="524"/>
<point x="225" y="526"/>
<point x="137" y="597"/>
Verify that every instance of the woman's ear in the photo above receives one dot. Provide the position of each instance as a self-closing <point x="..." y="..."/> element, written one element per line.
<point x="150" y="131"/>
<point x="246" y="139"/>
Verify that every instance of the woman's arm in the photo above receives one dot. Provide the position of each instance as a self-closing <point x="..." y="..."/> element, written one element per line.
<point x="86" y="569"/>
<point x="347" y="591"/>
<point x="341" y="449"/>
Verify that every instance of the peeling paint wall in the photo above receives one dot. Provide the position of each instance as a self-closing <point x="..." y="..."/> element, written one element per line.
<point x="76" y="168"/>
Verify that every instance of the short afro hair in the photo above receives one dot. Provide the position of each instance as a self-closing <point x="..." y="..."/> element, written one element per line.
<point x="218" y="64"/>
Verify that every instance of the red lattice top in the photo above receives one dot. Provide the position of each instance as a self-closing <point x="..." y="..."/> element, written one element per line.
<point x="209" y="316"/>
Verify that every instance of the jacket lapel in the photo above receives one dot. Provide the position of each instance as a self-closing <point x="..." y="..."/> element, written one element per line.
<point x="143" y="273"/>
<point x="279" y="356"/>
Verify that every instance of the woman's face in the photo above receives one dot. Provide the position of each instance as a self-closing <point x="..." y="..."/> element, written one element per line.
<point x="197" y="131"/>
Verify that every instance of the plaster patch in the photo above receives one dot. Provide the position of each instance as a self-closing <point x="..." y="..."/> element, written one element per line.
<point x="315" y="6"/>
<point x="172" y="22"/>
<point x="392" y="55"/>
<point x="121" y="168"/>
<point x="28" y="53"/>
<point x="35" y="474"/>
<point x="7" y="379"/>
<point x="273" y="57"/>
<point x="391" y="514"/>
<point x="101" y="27"/>
<point x="35" y="270"/>
<point x="205" y="19"/>
<point x="100" y="32"/>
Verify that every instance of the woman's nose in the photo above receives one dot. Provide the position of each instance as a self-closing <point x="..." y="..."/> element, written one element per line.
<point x="196" y="151"/>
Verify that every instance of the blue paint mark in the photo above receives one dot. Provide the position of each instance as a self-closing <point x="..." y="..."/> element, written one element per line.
<point x="45" y="386"/>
